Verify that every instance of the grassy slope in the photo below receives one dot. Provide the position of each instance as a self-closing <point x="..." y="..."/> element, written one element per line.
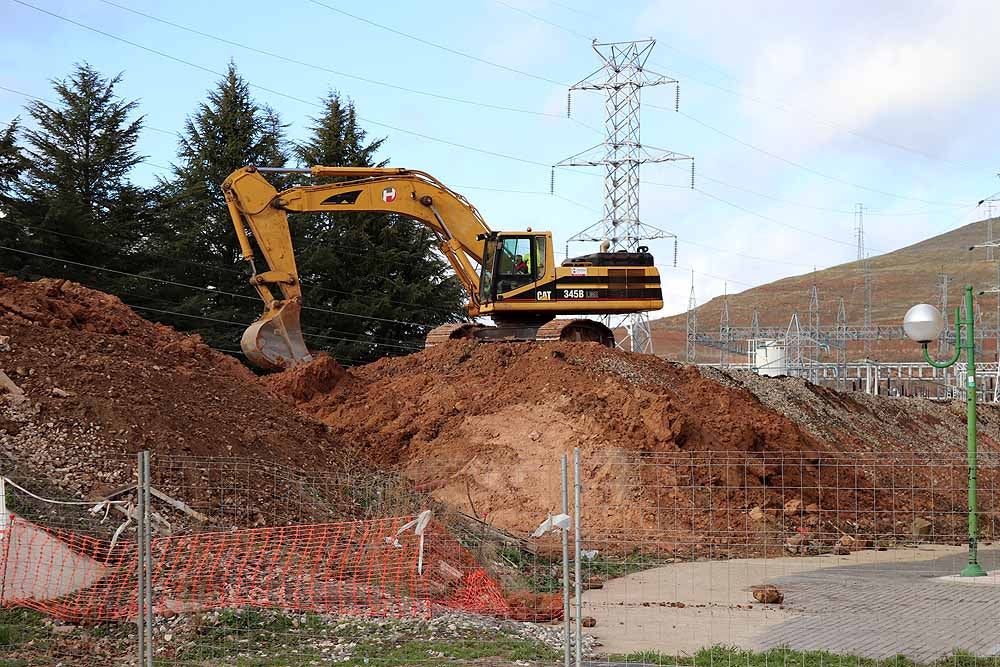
<point x="901" y="278"/>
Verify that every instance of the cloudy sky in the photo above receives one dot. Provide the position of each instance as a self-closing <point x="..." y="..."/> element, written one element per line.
<point x="795" y="112"/>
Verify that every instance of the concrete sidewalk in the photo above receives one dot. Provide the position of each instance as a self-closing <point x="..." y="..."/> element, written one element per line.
<point x="871" y="603"/>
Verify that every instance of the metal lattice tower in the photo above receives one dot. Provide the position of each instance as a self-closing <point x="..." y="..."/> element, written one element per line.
<point x="814" y="329"/>
<point x="755" y="324"/>
<point x="621" y="78"/>
<point x="943" y="281"/>
<point x="793" y="343"/>
<point x="989" y="229"/>
<point x="859" y="229"/>
<point x="690" y="352"/>
<point x="990" y="243"/>
<point x="868" y="333"/>
<point x="724" y="328"/>
<point x="841" y="334"/>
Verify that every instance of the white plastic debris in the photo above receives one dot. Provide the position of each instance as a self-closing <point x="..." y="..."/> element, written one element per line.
<point x="559" y="521"/>
<point x="419" y="525"/>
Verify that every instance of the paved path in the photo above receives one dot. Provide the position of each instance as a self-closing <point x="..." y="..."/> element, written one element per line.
<point x="872" y="603"/>
<point x="881" y="610"/>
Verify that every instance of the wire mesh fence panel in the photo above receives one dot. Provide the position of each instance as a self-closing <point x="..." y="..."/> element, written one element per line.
<point x="62" y="568"/>
<point x="260" y="564"/>
<point x="774" y="555"/>
<point x="733" y="558"/>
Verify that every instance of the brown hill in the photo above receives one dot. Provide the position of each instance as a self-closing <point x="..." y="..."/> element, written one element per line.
<point x="901" y="278"/>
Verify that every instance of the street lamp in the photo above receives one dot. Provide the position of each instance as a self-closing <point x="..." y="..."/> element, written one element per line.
<point x="923" y="323"/>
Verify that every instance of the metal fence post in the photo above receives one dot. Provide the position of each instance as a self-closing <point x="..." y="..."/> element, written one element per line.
<point x="576" y="555"/>
<point x="140" y="545"/>
<point x="148" y="566"/>
<point x="567" y="632"/>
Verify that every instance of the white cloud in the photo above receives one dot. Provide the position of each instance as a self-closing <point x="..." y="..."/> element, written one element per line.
<point x="867" y="65"/>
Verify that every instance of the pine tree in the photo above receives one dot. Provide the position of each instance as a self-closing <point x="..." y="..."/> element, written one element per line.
<point x="11" y="160"/>
<point x="227" y="131"/>
<point x="381" y="269"/>
<point x="11" y="167"/>
<point x="67" y="186"/>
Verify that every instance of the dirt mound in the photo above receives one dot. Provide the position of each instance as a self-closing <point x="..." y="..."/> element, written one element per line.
<point x="303" y="383"/>
<point x="700" y="463"/>
<point x="483" y="426"/>
<point x="101" y="383"/>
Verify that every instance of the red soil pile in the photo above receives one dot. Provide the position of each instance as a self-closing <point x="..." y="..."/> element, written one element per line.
<point x="667" y="452"/>
<point x="303" y="383"/>
<point x="101" y="383"/>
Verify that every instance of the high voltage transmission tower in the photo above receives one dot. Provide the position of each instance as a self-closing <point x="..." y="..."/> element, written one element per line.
<point x="621" y="77"/>
<point x="866" y="268"/>
<point x="944" y="280"/>
<point x="859" y="229"/>
<point x="692" y="324"/>
<point x="989" y="202"/>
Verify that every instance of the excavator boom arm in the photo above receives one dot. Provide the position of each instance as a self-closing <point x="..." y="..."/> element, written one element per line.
<point x="255" y="205"/>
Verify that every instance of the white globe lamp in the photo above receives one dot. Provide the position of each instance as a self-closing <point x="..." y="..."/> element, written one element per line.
<point x="923" y="323"/>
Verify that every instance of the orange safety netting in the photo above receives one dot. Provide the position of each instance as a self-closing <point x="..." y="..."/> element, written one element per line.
<point x="353" y="567"/>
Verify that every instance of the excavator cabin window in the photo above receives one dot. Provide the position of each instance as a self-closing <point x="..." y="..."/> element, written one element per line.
<point x="520" y="260"/>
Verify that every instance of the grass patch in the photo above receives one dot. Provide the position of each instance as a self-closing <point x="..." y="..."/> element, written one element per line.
<point x="250" y="638"/>
<point x="440" y="653"/>
<point x="611" y="568"/>
<point x="18" y="625"/>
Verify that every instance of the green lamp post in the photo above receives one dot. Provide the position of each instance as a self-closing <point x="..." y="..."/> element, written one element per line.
<point x="923" y="323"/>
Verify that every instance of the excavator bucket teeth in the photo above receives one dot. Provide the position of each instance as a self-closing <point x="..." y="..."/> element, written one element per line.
<point x="274" y="342"/>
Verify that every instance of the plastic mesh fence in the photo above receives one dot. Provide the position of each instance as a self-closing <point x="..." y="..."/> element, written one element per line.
<point x="348" y="568"/>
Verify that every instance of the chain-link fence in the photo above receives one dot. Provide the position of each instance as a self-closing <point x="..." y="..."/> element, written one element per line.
<point x="681" y="558"/>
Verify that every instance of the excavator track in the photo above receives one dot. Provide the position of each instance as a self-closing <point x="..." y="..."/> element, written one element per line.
<point x="568" y="330"/>
<point x="447" y="332"/>
<point x="576" y="330"/>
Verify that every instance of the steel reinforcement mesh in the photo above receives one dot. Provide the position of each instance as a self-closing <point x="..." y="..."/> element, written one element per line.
<point x="364" y="568"/>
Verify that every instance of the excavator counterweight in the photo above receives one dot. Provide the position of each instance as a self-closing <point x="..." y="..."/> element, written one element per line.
<point x="510" y="277"/>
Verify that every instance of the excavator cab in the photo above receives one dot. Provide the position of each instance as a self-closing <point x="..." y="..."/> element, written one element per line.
<point x="511" y="261"/>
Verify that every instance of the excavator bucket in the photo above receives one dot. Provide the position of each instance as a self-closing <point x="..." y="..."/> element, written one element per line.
<point x="274" y="342"/>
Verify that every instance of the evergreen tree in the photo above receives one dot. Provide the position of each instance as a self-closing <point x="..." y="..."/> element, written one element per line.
<point x="381" y="269"/>
<point x="11" y="160"/>
<point x="11" y="166"/>
<point x="67" y="187"/>
<point x="228" y="131"/>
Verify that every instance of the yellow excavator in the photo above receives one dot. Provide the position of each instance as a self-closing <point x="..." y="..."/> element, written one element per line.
<point x="511" y="277"/>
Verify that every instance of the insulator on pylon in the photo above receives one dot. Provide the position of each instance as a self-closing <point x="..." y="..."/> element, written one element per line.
<point x="675" y="252"/>
<point x="692" y="174"/>
<point x="552" y="181"/>
<point x="569" y="102"/>
<point x="677" y="98"/>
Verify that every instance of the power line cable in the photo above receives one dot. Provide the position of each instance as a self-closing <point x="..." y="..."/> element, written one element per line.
<point x="736" y="253"/>
<point x="321" y="68"/>
<point x="441" y="47"/>
<point x="542" y="19"/>
<point x="205" y="289"/>
<point x="798" y="113"/>
<point x="340" y="248"/>
<point x="801" y="166"/>
<point x="279" y="93"/>
<point x="775" y="220"/>
<point x="814" y="207"/>
<point x="216" y="320"/>
<point x="53" y="102"/>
